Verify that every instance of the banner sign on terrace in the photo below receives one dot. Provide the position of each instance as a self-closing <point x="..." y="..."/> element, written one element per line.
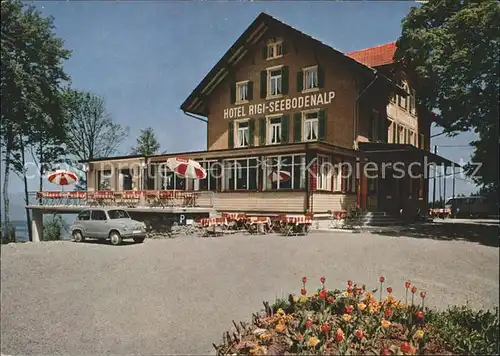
<point x="278" y="106"/>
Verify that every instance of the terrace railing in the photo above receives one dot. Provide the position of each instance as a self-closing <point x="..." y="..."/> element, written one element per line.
<point x="126" y="198"/>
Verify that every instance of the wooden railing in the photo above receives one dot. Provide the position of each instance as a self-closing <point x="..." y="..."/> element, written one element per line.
<point x="126" y="198"/>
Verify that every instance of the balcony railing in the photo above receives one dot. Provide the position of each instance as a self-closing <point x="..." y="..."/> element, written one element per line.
<point x="126" y="198"/>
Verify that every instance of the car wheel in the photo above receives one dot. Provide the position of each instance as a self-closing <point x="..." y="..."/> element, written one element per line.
<point x="115" y="238"/>
<point x="139" y="239"/>
<point x="78" y="237"/>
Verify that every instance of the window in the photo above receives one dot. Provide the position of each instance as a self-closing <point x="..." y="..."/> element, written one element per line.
<point x="412" y="138"/>
<point x="403" y="100"/>
<point x="413" y="99"/>
<point x="310" y="78"/>
<point x="407" y="136"/>
<point x="274" y="130"/>
<point x="392" y="97"/>
<point x="104" y="180"/>
<point x="98" y="215"/>
<point x="118" y="214"/>
<point x="242" y="134"/>
<point x="284" y="172"/>
<point x="422" y="143"/>
<point x="372" y="185"/>
<point x="325" y="171"/>
<point x="275" y="82"/>
<point x="274" y="49"/>
<point x="84" y="215"/>
<point x="169" y="180"/>
<point x="395" y="130"/>
<point x="242" y="92"/>
<point x="373" y="135"/>
<point x="241" y="174"/>
<point x="348" y="177"/>
<point x="310" y="126"/>
<point x="390" y="131"/>
<point x="401" y="134"/>
<point x="210" y="182"/>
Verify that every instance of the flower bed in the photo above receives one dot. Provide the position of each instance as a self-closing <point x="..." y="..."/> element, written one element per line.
<point x="354" y="321"/>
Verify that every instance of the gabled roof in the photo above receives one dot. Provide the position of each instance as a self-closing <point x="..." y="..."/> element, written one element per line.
<point x="194" y="103"/>
<point x="375" y="56"/>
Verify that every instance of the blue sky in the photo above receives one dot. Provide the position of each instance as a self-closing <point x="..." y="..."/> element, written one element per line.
<point x="145" y="57"/>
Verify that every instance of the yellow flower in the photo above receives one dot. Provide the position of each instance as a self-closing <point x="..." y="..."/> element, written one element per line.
<point x="361" y="306"/>
<point x="265" y="336"/>
<point x="390" y="299"/>
<point x="303" y="299"/>
<point x="347" y="317"/>
<point x="280" y="327"/>
<point x="419" y="334"/>
<point x="385" y="323"/>
<point x="295" y="299"/>
<point x="280" y="312"/>
<point x="313" y="341"/>
<point x="258" y="350"/>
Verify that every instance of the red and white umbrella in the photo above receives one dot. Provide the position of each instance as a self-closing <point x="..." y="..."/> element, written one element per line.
<point x="281" y="176"/>
<point x="62" y="177"/>
<point x="186" y="167"/>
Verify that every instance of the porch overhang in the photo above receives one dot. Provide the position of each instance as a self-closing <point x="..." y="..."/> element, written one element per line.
<point x="402" y="152"/>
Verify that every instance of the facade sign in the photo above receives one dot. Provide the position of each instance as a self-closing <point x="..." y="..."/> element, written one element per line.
<point x="280" y="105"/>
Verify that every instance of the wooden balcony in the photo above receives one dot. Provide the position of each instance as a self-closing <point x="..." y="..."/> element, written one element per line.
<point x="127" y="199"/>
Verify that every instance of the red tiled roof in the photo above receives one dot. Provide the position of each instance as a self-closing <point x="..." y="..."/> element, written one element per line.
<point x="375" y="56"/>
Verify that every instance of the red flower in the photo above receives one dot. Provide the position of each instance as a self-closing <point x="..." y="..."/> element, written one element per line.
<point x="349" y="309"/>
<point x="382" y="279"/>
<point x="405" y="347"/>
<point x="385" y="351"/>
<point x="323" y="280"/>
<point x="389" y="290"/>
<point x="309" y="324"/>
<point x="304" y="279"/>
<point x="407" y="284"/>
<point x="420" y="315"/>
<point x="361" y="291"/>
<point x="339" y="335"/>
<point x="414" y="289"/>
<point x="303" y="291"/>
<point x="388" y="313"/>
<point x="349" y="289"/>
<point x="325" y="328"/>
<point x="330" y="300"/>
<point x="359" y="334"/>
<point x="323" y="294"/>
<point x="422" y="294"/>
<point x="349" y="283"/>
<point x="300" y="337"/>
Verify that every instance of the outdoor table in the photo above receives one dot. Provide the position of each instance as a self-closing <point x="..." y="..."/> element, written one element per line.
<point x="337" y="218"/>
<point x="152" y="197"/>
<point x="236" y="221"/>
<point x="131" y="198"/>
<point x="295" y="225"/>
<point x="104" y="197"/>
<point x="259" y="224"/>
<point x="210" y="225"/>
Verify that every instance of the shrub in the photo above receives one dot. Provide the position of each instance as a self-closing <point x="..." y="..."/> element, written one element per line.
<point x="355" y="321"/>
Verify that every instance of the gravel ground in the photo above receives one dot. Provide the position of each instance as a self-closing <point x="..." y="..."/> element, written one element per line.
<point x="179" y="295"/>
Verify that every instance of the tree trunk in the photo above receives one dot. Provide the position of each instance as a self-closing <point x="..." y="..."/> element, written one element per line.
<point x="26" y="195"/>
<point x="5" y="190"/>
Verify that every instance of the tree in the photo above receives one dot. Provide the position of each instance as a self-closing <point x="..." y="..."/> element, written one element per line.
<point x="452" y="47"/>
<point x="90" y="129"/>
<point x="147" y="144"/>
<point x="31" y="78"/>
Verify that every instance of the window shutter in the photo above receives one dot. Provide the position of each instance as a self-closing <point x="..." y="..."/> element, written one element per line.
<point x="263" y="84"/>
<point x="300" y="80"/>
<point x="321" y="77"/>
<point x="297" y="127"/>
<point x="284" y="80"/>
<point x="251" y="130"/>
<point x="264" y="52"/>
<point x="285" y="131"/>
<point x="262" y="131"/>
<point x="230" y="135"/>
<point x="250" y="90"/>
<point x="284" y="47"/>
<point x="233" y="92"/>
<point x="322" y="125"/>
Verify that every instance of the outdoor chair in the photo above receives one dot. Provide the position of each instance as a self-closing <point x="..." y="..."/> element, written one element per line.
<point x="353" y="219"/>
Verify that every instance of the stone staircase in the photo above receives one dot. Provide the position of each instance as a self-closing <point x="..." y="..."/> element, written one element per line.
<point x="371" y="220"/>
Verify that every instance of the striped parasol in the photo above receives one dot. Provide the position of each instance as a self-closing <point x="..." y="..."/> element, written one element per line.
<point x="186" y="167"/>
<point x="281" y="176"/>
<point x="62" y="177"/>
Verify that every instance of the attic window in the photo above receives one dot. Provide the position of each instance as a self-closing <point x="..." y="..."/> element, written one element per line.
<point x="274" y="49"/>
